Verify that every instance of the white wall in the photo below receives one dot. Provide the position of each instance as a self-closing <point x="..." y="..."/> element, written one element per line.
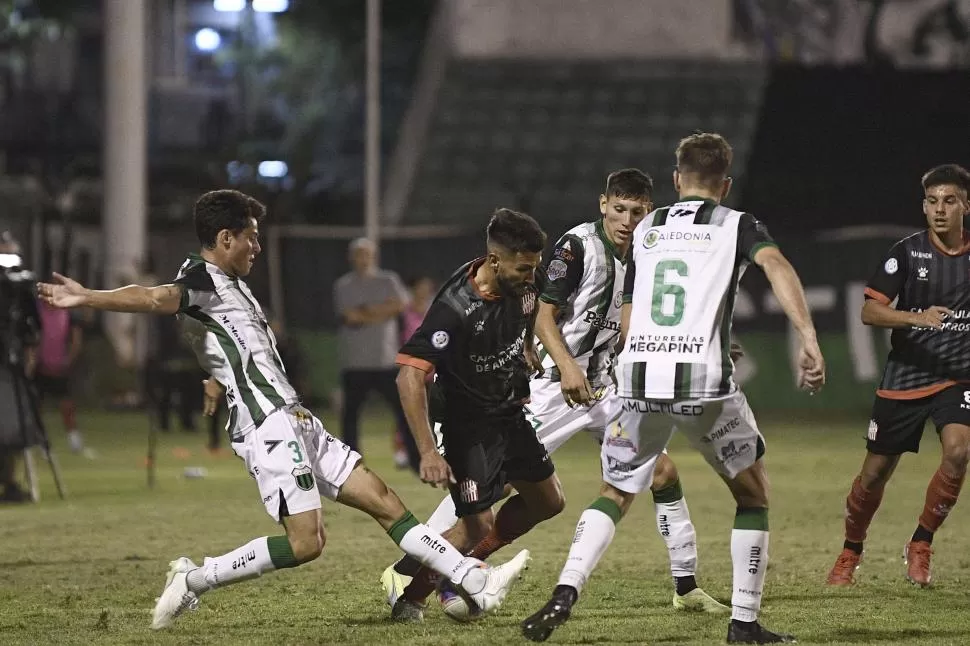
<point x="592" y="28"/>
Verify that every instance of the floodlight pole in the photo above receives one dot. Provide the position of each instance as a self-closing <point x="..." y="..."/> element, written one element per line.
<point x="372" y="134"/>
<point x="124" y="169"/>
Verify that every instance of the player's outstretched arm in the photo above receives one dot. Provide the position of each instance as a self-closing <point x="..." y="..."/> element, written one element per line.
<point x="575" y="386"/>
<point x="788" y="289"/>
<point x="66" y="293"/>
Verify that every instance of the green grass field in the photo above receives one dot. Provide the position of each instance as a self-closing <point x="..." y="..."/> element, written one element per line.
<point x="86" y="570"/>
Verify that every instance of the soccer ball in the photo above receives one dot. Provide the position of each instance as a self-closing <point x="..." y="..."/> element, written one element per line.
<point x="456" y="604"/>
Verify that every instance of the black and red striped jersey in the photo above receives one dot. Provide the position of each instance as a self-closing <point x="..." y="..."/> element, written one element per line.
<point x="920" y="275"/>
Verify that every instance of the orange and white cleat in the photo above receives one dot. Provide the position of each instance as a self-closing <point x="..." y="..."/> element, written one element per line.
<point x="917" y="555"/>
<point x="843" y="572"/>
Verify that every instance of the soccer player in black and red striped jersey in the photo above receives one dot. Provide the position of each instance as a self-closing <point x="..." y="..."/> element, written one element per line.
<point x="927" y="376"/>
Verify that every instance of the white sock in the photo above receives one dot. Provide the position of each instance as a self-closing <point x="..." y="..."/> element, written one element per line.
<point x="443" y="518"/>
<point x="749" y="555"/>
<point x="594" y="533"/>
<point x="431" y="550"/>
<point x="673" y="523"/>
<point x="246" y="562"/>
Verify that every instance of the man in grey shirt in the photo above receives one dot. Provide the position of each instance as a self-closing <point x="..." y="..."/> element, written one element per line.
<point x="369" y="301"/>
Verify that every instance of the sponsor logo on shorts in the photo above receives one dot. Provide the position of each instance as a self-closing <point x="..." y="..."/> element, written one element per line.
<point x="468" y="491"/>
<point x="618" y="437"/>
<point x="732" y="452"/>
<point x="433" y="544"/>
<point x="271" y="444"/>
<point x="304" y="477"/>
<point x="618" y="470"/>
<point x="722" y="430"/>
<point x="873" y="430"/>
<point x="677" y="408"/>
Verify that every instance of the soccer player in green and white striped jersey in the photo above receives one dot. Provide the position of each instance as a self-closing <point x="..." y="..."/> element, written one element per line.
<point x="285" y="448"/>
<point x="675" y="372"/>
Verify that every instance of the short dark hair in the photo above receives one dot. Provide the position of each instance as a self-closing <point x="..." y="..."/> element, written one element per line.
<point x="947" y="174"/>
<point x="629" y="183"/>
<point x="705" y="155"/>
<point x="515" y="231"/>
<point x="224" y="209"/>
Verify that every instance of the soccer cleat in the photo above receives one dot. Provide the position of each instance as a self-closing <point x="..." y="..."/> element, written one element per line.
<point x="176" y="597"/>
<point x="842" y="573"/>
<point x="753" y="633"/>
<point x="489" y="591"/>
<point x="699" y="601"/>
<point x="393" y="584"/>
<point x="916" y="555"/>
<point x="407" y="611"/>
<point x="555" y="613"/>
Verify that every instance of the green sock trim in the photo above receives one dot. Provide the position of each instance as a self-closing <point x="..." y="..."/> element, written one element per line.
<point x="402" y="526"/>
<point x="608" y="507"/>
<point x="751" y="518"/>
<point x="671" y="493"/>
<point x="280" y="552"/>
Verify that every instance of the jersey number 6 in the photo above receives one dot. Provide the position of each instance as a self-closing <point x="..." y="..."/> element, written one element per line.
<point x="659" y="312"/>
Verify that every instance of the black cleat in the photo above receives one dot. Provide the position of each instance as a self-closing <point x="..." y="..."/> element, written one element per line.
<point x="751" y="632"/>
<point x="539" y="626"/>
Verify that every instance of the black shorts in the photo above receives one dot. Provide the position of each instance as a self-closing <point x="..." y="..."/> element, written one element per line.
<point x="58" y="387"/>
<point x="485" y="454"/>
<point x="897" y="424"/>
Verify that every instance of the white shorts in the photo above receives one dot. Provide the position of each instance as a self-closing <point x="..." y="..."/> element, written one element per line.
<point x="723" y="430"/>
<point x="294" y="461"/>
<point x="555" y="422"/>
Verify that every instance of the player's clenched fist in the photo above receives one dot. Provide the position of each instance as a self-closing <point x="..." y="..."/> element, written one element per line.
<point x="932" y="317"/>
<point x="435" y="471"/>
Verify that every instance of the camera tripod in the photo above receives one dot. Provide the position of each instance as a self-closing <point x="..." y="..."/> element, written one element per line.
<point x="28" y="410"/>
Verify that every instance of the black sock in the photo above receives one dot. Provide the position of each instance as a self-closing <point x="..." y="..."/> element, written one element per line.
<point x="567" y="593"/>
<point x="407" y="566"/>
<point x="744" y="624"/>
<point x="855" y="547"/>
<point x="685" y="584"/>
<point x="923" y="534"/>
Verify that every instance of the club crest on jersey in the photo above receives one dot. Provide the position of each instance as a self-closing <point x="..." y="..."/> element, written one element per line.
<point x="650" y="240"/>
<point x="440" y="339"/>
<point x="528" y="303"/>
<point x="618" y="300"/>
<point x="891" y="266"/>
<point x="556" y="270"/>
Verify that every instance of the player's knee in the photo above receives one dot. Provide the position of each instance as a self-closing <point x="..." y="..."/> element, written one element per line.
<point x="665" y="473"/>
<point x="955" y="458"/>
<point x="308" y="546"/>
<point x="623" y="499"/>
<point x="876" y="470"/>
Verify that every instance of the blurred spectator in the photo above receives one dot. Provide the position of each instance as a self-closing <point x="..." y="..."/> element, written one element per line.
<point x="422" y="290"/>
<point x="61" y="336"/>
<point x="369" y="301"/>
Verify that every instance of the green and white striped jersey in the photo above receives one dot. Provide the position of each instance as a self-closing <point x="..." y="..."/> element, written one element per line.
<point x="234" y="343"/>
<point x="682" y="279"/>
<point x="585" y="281"/>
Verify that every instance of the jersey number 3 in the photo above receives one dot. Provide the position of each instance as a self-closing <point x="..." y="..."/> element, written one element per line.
<point x="664" y="311"/>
